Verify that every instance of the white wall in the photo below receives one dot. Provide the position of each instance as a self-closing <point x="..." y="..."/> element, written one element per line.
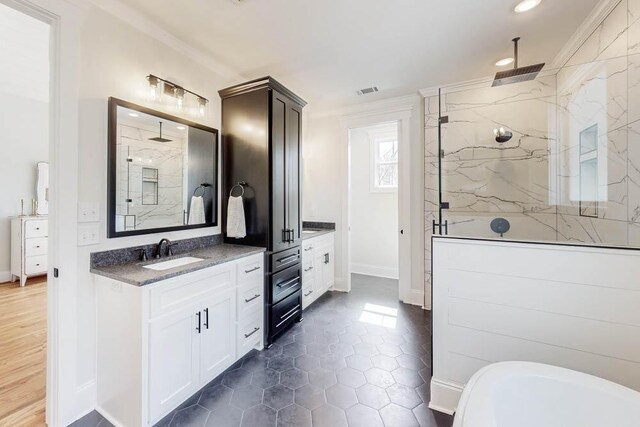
<point x="325" y="140"/>
<point x="374" y="215"/>
<point x="493" y="302"/>
<point x="24" y="117"/>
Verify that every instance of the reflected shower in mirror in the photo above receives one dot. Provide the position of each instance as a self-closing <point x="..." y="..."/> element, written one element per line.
<point x="163" y="171"/>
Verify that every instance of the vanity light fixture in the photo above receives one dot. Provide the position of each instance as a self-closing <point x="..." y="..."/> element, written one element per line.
<point x="175" y="91"/>
<point x="505" y="61"/>
<point x="526" y="5"/>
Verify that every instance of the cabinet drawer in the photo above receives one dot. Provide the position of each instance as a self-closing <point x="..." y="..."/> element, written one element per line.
<point x="308" y="295"/>
<point x="285" y="283"/>
<point x="250" y="299"/>
<point x="251" y="269"/>
<point x="285" y="259"/>
<point x="285" y="312"/>
<point x="174" y="293"/>
<point x="250" y="332"/>
<point x="35" y="264"/>
<point x="308" y="270"/>
<point x="36" y="246"/>
<point x="307" y="248"/>
<point x="36" y="228"/>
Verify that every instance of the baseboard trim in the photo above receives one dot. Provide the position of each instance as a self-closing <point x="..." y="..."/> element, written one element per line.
<point x="374" y="270"/>
<point x="415" y="297"/>
<point x="444" y="396"/>
<point x="85" y="399"/>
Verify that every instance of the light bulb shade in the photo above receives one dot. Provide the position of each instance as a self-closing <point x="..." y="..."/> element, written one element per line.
<point x="154" y="82"/>
<point x="179" y="92"/>
<point x="202" y="107"/>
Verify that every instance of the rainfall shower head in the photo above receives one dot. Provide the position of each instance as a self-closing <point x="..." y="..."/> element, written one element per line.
<point x="160" y="138"/>
<point x="517" y="74"/>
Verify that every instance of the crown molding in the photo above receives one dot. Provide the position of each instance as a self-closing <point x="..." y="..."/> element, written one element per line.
<point x="584" y="31"/>
<point x="137" y="20"/>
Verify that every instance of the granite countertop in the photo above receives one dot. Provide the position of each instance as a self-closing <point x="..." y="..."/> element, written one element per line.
<point x="134" y="273"/>
<point x="310" y="233"/>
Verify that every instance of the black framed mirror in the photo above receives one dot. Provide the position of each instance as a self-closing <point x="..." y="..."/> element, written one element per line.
<point x="162" y="172"/>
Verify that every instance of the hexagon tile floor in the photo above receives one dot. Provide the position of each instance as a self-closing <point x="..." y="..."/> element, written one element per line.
<point x="357" y="359"/>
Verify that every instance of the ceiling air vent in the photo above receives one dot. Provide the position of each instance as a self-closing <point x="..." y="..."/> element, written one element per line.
<point x="367" y="90"/>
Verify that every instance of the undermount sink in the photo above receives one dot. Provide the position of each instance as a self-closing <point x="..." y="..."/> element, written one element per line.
<point x="173" y="263"/>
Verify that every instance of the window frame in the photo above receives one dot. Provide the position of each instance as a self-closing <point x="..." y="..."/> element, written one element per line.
<point x="375" y="139"/>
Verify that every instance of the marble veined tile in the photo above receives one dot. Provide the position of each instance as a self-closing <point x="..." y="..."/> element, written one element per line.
<point x="509" y="185"/>
<point x="633" y="169"/>
<point x="531" y="226"/>
<point x="573" y="228"/>
<point x="594" y="93"/>
<point x="608" y="41"/>
<point x="633" y="21"/>
<point x="469" y="133"/>
<point x="634" y="88"/>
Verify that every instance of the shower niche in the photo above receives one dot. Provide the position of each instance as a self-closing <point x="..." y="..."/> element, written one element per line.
<point x="159" y="164"/>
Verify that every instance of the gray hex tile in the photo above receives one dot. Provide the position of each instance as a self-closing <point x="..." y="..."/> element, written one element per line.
<point x="294" y="378"/>
<point x="407" y="377"/>
<point x="379" y="377"/>
<point x="191" y="416"/>
<point x="413" y="349"/>
<point x="260" y="415"/>
<point x="425" y="373"/>
<point x="428" y="418"/>
<point x="281" y="363"/>
<point x="349" y="338"/>
<point x="237" y="378"/>
<point x="411" y="362"/>
<point x="294" y="416"/>
<point x="278" y="397"/>
<point x="424" y="391"/>
<point x="255" y="363"/>
<point x="246" y="397"/>
<point x="215" y="397"/>
<point x="385" y="362"/>
<point x="294" y="349"/>
<point x="426" y="359"/>
<point x="363" y="416"/>
<point x="372" y="396"/>
<point x="317" y="349"/>
<point x="350" y="377"/>
<point x="397" y="416"/>
<point x="328" y="416"/>
<point x="359" y="362"/>
<point x="227" y="416"/>
<point x="322" y="378"/>
<point x="265" y="378"/>
<point x="341" y="396"/>
<point x="286" y="338"/>
<point x="389" y="349"/>
<point x="309" y="396"/>
<point x="327" y="338"/>
<point x="304" y="338"/>
<point x="365" y="349"/>
<point x="396" y="339"/>
<point x="404" y="396"/>
<point x="357" y="329"/>
<point x="372" y="339"/>
<point x="342" y="349"/>
<point x="274" y="350"/>
<point x="306" y="362"/>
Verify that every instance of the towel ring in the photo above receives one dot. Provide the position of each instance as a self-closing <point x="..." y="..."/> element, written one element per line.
<point x="240" y="184"/>
<point x="202" y="187"/>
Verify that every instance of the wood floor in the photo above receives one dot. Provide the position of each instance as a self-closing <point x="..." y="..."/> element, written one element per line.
<point x="23" y="337"/>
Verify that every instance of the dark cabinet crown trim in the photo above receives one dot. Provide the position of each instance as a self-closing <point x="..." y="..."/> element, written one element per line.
<point x="264" y="82"/>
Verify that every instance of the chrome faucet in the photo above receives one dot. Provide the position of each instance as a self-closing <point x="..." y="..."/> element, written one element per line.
<point x="159" y="249"/>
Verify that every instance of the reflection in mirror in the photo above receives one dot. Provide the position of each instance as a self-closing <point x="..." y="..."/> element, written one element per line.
<point x="165" y="172"/>
<point x="42" y="190"/>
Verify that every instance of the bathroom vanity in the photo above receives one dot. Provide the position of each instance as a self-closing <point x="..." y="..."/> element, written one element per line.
<point x="318" y="264"/>
<point x="168" y="327"/>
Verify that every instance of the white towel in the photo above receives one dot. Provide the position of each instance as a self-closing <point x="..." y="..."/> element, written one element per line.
<point x="236" y="226"/>
<point x="196" y="212"/>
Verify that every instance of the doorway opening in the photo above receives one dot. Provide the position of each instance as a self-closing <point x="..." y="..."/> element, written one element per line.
<point x="25" y="125"/>
<point x="374" y="179"/>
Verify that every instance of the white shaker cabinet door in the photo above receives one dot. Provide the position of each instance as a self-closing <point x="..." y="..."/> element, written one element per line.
<point x="174" y="355"/>
<point x="218" y="338"/>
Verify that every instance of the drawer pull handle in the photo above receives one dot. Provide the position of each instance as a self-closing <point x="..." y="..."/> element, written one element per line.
<point x="252" y="270"/>
<point x="308" y="269"/>
<point x="308" y="249"/>
<point x="206" y="318"/>
<point x="252" y="298"/>
<point x="289" y="315"/>
<point x="308" y="293"/>
<point x="288" y="282"/>
<point x="285" y="259"/>
<point x="256" y="329"/>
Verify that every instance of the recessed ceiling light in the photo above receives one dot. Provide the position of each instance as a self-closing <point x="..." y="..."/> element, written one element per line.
<point x="180" y="127"/>
<point x="134" y="114"/>
<point x="503" y="62"/>
<point x="526" y="5"/>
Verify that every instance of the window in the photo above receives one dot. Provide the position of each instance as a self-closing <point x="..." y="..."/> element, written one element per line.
<point x="384" y="163"/>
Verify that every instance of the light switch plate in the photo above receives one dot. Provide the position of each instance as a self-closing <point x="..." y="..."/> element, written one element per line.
<point x="88" y="212"/>
<point x="88" y="234"/>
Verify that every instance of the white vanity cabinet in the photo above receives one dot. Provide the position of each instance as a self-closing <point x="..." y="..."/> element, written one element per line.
<point x="318" y="267"/>
<point x="160" y="343"/>
<point x="29" y="247"/>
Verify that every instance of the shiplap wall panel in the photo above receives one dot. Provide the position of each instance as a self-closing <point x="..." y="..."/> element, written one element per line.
<point x="570" y="306"/>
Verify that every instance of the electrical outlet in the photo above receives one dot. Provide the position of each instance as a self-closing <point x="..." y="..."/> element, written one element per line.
<point x="88" y="212"/>
<point x="88" y="234"/>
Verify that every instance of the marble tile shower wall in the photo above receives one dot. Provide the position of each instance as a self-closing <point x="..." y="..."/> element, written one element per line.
<point x="168" y="160"/>
<point x="534" y="180"/>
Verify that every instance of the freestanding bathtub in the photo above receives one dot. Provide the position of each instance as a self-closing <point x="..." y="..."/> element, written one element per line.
<point x="525" y="394"/>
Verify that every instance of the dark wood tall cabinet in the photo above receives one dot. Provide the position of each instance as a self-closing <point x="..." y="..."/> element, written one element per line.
<point x="261" y="146"/>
